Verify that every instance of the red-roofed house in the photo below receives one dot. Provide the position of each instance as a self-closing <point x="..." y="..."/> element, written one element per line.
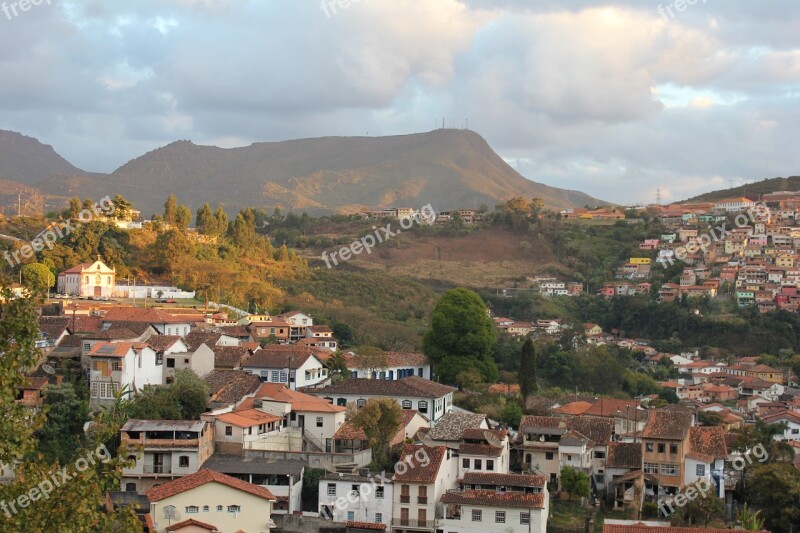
<point x="429" y="472"/>
<point x="226" y="503"/>
<point x="114" y="365"/>
<point x="164" y="323"/>
<point x="88" y="279"/>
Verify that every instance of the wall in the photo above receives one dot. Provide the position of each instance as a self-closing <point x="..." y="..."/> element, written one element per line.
<point x="314" y="459"/>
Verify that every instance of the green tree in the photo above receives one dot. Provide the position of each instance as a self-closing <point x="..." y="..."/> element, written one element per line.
<point x="205" y="221"/>
<point x="183" y="218"/>
<point x="469" y="379"/>
<point x="171" y="209"/>
<point x="527" y="370"/>
<point x="337" y="366"/>
<point x="700" y="511"/>
<point x="74" y="208"/>
<point x="574" y="482"/>
<point x="511" y="414"/>
<point x="122" y="207"/>
<point x="222" y="220"/>
<point x="775" y="488"/>
<point x="461" y="336"/>
<point x="155" y="403"/>
<point x="379" y="419"/>
<point x="191" y="392"/>
<point x="750" y="520"/>
<point x="709" y="418"/>
<point x="371" y="358"/>
<point x="37" y="277"/>
<point x="62" y="434"/>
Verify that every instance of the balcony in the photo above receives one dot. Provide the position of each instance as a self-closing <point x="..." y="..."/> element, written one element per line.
<point x="405" y="498"/>
<point x="413" y="524"/>
<point x="422" y="500"/>
<point x="165" y="443"/>
<point x="157" y="469"/>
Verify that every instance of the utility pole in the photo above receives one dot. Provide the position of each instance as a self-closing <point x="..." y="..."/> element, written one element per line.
<point x="19" y="204"/>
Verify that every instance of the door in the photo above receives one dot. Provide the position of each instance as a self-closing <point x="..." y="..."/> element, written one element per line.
<point x="404" y="517"/>
<point x="302" y="421"/>
<point x="158" y="463"/>
<point x="98" y="292"/>
<point x="422" y="517"/>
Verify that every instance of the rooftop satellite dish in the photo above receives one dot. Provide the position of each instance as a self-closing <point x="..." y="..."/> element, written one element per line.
<point x="492" y="439"/>
<point x="49" y="369"/>
<point x="426" y="440"/>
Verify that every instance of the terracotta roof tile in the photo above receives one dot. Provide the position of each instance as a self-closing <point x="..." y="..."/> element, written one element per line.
<point x="202" y="477"/>
<point x="707" y="443"/>
<point x="486" y="479"/>
<point x="491" y="498"/>
<point x="573" y="408"/>
<point x="191" y="522"/>
<point x="160" y="343"/>
<point x="195" y="338"/>
<point x="230" y="386"/>
<point x="411" y="386"/>
<point x="673" y="425"/>
<point x="415" y="472"/>
<point x="451" y="426"/>
<point x="229" y="356"/>
<point x="624" y="455"/>
<point x="248" y="418"/>
<point x="281" y="356"/>
<point x="300" y="401"/>
<point x="138" y="314"/>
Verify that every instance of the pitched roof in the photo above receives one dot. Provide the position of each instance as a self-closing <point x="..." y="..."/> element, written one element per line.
<point x="138" y="314"/>
<point x="599" y="430"/>
<point x="365" y="525"/>
<point x="229" y="356"/>
<point x="110" y="349"/>
<point x="484" y="450"/>
<point x="139" y="328"/>
<point x="394" y="359"/>
<point x="230" y="386"/>
<point x="191" y="522"/>
<point x="281" y="356"/>
<point x="611" y="406"/>
<point x="492" y="498"/>
<point x="783" y="415"/>
<point x="672" y="425"/>
<point x="415" y="471"/>
<point x="573" y="408"/>
<point x="452" y="425"/>
<point x="300" y="401"/>
<point x="707" y="443"/>
<point x="505" y="480"/>
<point x="348" y="431"/>
<point x="162" y="342"/>
<point x="202" y="477"/>
<point x="411" y="386"/>
<point x="195" y="338"/>
<point x="248" y="418"/>
<point x="624" y="455"/>
<point x="53" y="327"/>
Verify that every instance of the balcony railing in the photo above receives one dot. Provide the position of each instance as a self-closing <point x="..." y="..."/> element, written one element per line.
<point x="422" y="499"/>
<point x="157" y="469"/>
<point x="405" y="498"/>
<point x="410" y="522"/>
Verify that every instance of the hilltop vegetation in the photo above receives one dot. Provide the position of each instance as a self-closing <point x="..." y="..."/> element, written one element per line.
<point x="752" y="190"/>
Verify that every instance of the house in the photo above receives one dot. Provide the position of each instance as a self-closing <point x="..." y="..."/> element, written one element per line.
<point x="298" y="322"/>
<point x="350" y="439"/>
<point x="164" y="450"/>
<point x="262" y="331"/>
<point x="423" y="475"/>
<point x="705" y="458"/>
<point x="227" y="504"/>
<point x="367" y="497"/>
<point x="228" y="387"/>
<point x="294" y="366"/>
<point x="497" y="502"/>
<point x="451" y="427"/>
<point x="85" y="280"/>
<point x="484" y="450"/>
<point x="174" y="354"/>
<point x="163" y="322"/>
<point x="792" y="421"/>
<point x="234" y="430"/>
<point x="122" y="365"/>
<point x="590" y="329"/>
<point x="398" y="366"/>
<point x="666" y="442"/>
<point x="433" y="400"/>
<point x="284" y="479"/>
<point x="230" y="357"/>
<point x="623" y="475"/>
<point x="31" y="395"/>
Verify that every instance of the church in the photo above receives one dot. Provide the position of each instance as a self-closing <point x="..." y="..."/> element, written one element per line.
<point x="88" y="279"/>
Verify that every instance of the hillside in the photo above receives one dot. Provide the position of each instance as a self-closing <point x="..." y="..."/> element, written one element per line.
<point x="447" y="168"/>
<point x="752" y="190"/>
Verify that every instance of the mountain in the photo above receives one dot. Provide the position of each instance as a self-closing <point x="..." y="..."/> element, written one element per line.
<point x="752" y="190"/>
<point x="446" y="168"/>
<point x="26" y="160"/>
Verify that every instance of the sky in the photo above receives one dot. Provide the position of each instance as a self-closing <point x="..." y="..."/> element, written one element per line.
<point x="619" y="99"/>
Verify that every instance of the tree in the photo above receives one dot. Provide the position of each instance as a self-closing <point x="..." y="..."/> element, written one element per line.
<point x="205" y="221"/>
<point x="469" y="379"/>
<point x="574" y="482"/>
<point x="709" y="418"/>
<point x="461" y="336"/>
<point x="775" y="488"/>
<point x="749" y="520"/>
<point x="511" y="414"/>
<point x="379" y="419"/>
<point x="122" y="207"/>
<point x="183" y="218"/>
<point x="78" y="504"/>
<point x="337" y="366"/>
<point x="171" y="210"/>
<point x="700" y="511"/>
<point x="37" y="277"/>
<point x="527" y="370"/>
<point x="62" y="434"/>
<point x="222" y="220"/>
<point x="191" y="392"/>
<point x="155" y="403"/>
<point x="74" y="208"/>
<point x="371" y="358"/>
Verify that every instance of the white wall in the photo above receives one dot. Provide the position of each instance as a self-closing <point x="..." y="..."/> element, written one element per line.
<point x="364" y="506"/>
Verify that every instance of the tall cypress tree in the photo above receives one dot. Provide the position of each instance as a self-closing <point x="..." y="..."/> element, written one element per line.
<point x="527" y="370"/>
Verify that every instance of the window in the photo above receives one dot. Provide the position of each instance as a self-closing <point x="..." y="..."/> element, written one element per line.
<point x="379" y="493"/>
<point x="228" y="430"/>
<point x="548" y="456"/>
<point x="192" y="509"/>
<point x="599" y="455"/>
<point x="651" y="468"/>
<point x="661" y="447"/>
<point x="378" y="518"/>
<point x="275" y="375"/>
<point x="341" y="402"/>
<point x="701" y="470"/>
<point x="292" y="375"/>
<point x="464" y="463"/>
<point x="283" y="376"/>
<point x="649" y="446"/>
<point x="478" y="464"/>
<point x="234" y="509"/>
<point x="490" y="464"/>
<point x="205" y="508"/>
<point x="524" y="518"/>
<point x="500" y="517"/>
<point x="673" y="448"/>
<point x="319" y="421"/>
<point x="569" y="457"/>
<point x="219" y="508"/>
<point x="669" y="469"/>
<point x="795" y="431"/>
<point x="406" y="404"/>
<point x="183" y="461"/>
<point x="361" y="403"/>
<point x="170" y="362"/>
<point x="354" y="489"/>
<point x="351" y="516"/>
<point x="116" y="366"/>
<point x="130" y="487"/>
<point x="422" y="407"/>
<point x="477" y="515"/>
<point x="159" y="358"/>
<point x="331" y="489"/>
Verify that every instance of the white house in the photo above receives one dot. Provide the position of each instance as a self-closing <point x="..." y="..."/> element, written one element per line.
<point x="706" y="457"/>
<point x="173" y="354"/>
<point x="398" y="366"/>
<point x="88" y="279"/>
<point x="484" y="451"/>
<point x="431" y="399"/>
<point x="298" y="322"/>
<point x="493" y="502"/>
<point x="294" y="366"/>
<point x="124" y="364"/>
<point x="418" y="488"/>
<point x="358" y="497"/>
<point x="163" y="322"/>
<point x="792" y="421"/>
<point x="225" y="503"/>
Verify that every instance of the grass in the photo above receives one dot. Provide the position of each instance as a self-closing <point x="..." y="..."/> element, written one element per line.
<point x="566" y="514"/>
